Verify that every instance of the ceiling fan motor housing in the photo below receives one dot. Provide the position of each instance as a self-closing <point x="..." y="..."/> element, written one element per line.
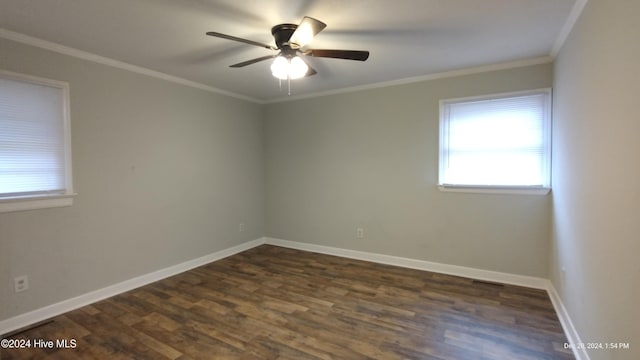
<point x="282" y="33"/>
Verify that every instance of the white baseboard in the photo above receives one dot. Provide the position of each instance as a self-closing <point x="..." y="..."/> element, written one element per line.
<point x="473" y="273"/>
<point x="50" y="311"/>
<point x="485" y="275"/>
<point x="569" y="330"/>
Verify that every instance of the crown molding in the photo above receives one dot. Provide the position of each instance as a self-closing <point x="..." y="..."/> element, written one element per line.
<point x="44" y="44"/>
<point x="65" y="50"/>
<point x="574" y="15"/>
<point x="428" y="77"/>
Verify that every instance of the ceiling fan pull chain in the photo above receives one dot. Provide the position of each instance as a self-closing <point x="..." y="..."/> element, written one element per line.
<point x="289" y="85"/>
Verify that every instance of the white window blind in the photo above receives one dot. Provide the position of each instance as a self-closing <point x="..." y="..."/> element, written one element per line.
<point x="502" y="140"/>
<point x="34" y="157"/>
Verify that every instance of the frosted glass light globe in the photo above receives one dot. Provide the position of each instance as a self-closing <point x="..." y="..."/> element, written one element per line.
<point x="280" y="68"/>
<point x="297" y="68"/>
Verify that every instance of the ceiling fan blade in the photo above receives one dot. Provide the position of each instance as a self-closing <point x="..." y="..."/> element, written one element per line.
<point x="305" y="32"/>
<point x="339" y="54"/>
<point x="311" y="72"/>
<point x="252" y="61"/>
<point x="234" y="38"/>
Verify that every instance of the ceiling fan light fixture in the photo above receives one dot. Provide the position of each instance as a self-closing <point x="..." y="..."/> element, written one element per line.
<point x="280" y="68"/>
<point x="290" y="41"/>
<point x="297" y="68"/>
<point x="283" y="68"/>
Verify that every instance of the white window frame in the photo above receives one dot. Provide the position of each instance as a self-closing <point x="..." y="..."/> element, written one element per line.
<point x="497" y="189"/>
<point x="41" y="201"/>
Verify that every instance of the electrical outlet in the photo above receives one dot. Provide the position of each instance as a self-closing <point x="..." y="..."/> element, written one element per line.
<point x="21" y="283"/>
<point x="360" y="233"/>
<point x="241" y="227"/>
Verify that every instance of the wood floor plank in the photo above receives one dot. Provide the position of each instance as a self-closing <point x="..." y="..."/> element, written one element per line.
<point x="277" y="303"/>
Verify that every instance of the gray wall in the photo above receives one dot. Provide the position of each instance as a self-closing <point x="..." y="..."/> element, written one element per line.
<point x="370" y="159"/>
<point x="164" y="173"/>
<point x="596" y="181"/>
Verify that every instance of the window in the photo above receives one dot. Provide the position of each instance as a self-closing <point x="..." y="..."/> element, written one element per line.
<point x="497" y="143"/>
<point x="35" y="153"/>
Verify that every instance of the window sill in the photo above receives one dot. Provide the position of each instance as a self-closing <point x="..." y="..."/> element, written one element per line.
<point x="35" y="202"/>
<point x="514" y="190"/>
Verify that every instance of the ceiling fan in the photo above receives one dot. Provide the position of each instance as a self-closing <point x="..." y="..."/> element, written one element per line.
<point x="291" y="41"/>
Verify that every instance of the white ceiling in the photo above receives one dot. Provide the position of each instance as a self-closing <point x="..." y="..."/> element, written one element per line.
<point x="406" y="38"/>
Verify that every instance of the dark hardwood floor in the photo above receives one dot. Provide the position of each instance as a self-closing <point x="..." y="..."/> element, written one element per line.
<point x="276" y="303"/>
